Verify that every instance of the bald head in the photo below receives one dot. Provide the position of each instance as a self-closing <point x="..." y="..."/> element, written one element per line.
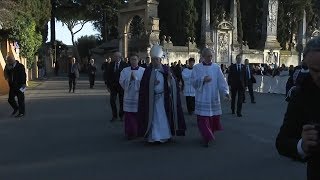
<point x="116" y="56"/>
<point x="207" y="55"/>
<point x="10" y="60"/>
<point x="312" y="59"/>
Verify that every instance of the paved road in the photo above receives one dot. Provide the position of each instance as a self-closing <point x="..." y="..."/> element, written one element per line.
<point x="69" y="136"/>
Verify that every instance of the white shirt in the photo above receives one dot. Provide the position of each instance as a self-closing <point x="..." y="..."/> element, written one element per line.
<point x="188" y="89"/>
<point x="131" y="88"/>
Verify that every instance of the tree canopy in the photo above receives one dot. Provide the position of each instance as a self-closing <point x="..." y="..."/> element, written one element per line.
<point x="25" y="21"/>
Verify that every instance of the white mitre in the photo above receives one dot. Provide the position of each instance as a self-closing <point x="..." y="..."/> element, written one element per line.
<point x="156" y="51"/>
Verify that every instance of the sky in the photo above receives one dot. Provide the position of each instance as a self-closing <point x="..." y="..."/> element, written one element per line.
<point x="63" y="34"/>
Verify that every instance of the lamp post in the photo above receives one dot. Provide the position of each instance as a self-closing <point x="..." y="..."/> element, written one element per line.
<point x="55" y="52"/>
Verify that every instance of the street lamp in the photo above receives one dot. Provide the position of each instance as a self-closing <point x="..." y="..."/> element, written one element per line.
<point x="55" y="52"/>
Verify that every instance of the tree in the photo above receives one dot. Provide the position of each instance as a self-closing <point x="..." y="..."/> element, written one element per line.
<point x="72" y="14"/>
<point x="191" y="17"/>
<point x="178" y="19"/>
<point x="23" y="21"/>
<point x="84" y="44"/>
<point x="28" y="37"/>
<point x="290" y="14"/>
<point x="105" y="16"/>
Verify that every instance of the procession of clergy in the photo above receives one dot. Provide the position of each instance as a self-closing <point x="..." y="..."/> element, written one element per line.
<point x="151" y="97"/>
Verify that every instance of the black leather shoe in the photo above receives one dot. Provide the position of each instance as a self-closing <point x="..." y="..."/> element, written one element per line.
<point x="14" y="112"/>
<point x="239" y="114"/>
<point x="113" y="119"/>
<point x="19" y="115"/>
<point x="253" y="102"/>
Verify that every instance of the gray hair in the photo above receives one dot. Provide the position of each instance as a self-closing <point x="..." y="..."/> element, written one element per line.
<point x="206" y="51"/>
<point x="312" y="45"/>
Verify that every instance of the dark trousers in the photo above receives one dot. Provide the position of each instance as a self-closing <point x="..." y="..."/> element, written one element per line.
<point x="250" y="89"/>
<point x="21" y="105"/>
<point x="91" y="80"/>
<point x="190" y="103"/>
<point x="113" y="98"/>
<point x="56" y="71"/>
<point x="72" y="83"/>
<point x="234" y="91"/>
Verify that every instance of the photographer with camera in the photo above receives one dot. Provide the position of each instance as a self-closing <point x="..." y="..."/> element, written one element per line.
<point x="299" y="134"/>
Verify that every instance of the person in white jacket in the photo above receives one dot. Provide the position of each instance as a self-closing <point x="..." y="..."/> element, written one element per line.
<point x="188" y="89"/>
<point x="130" y="78"/>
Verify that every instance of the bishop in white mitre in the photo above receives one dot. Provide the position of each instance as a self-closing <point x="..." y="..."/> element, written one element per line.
<point x="160" y="111"/>
<point x="130" y="78"/>
<point x="209" y="82"/>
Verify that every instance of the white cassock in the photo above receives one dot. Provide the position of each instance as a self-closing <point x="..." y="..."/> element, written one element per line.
<point x="207" y="98"/>
<point x="160" y="129"/>
<point x="188" y="89"/>
<point x="131" y="88"/>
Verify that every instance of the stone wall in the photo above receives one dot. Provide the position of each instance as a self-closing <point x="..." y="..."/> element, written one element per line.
<point x="7" y="48"/>
<point x="289" y="58"/>
<point x="182" y="53"/>
<point x="254" y="56"/>
<point x="182" y="56"/>
<point x="286" y="57"/>
<point x="4" y="87"/>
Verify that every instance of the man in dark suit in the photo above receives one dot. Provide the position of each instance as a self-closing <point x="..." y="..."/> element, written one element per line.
<point x="73" y="73"/>
<point x="113" y="85"/>
<point x="237" y="81"/>
<point x="250" y="81"/>
<point x="299" y="134"/>
<point x="15" y="74"/>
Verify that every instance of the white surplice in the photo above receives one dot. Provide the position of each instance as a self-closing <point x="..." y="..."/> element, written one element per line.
<point x="160" y="129"/>
<point x="131" y="88"/>
<point x="188" y="89"/>
<point x="207" y="98"/>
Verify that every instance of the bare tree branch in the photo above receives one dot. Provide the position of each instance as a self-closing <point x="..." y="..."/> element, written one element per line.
<point x="82" y="25"/>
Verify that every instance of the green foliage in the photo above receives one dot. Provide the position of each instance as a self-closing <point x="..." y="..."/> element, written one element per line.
<point x="289" y="15"/>
<point x="191" y="17"/>
<point x="28" y="38"/>
<point x="136" y="27"/>
<point x="25" y="22"/>
<point x="84" y="44"/>
<point x="178" y="19"/>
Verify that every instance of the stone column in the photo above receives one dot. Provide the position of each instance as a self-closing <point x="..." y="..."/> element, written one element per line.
<point x="302" y="29"/>
<point x="236" y="47"/>
<point x="125" y="45"/>
<point x="272" y="46"/>
<point x="272" y="20"/>
<point x="234" y="16"/>
<point x="206" y="39"/>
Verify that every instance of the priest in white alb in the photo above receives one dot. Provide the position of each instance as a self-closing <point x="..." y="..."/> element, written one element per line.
<point x="209" y="82"/>
<point x="130" y="78"/>
<point x="188" y="89"/>
<point x="160" y="111"/>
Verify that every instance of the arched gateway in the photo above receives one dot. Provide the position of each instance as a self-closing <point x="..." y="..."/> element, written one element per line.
<point x="147" y="10"/>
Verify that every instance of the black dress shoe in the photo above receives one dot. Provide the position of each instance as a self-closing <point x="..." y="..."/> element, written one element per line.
<point x="253" y="102"/>
<point x="14" y="112"/>
<point x="19" y="115"/>
<point x="239" y="114"/>
<point x="113" y="119"/>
